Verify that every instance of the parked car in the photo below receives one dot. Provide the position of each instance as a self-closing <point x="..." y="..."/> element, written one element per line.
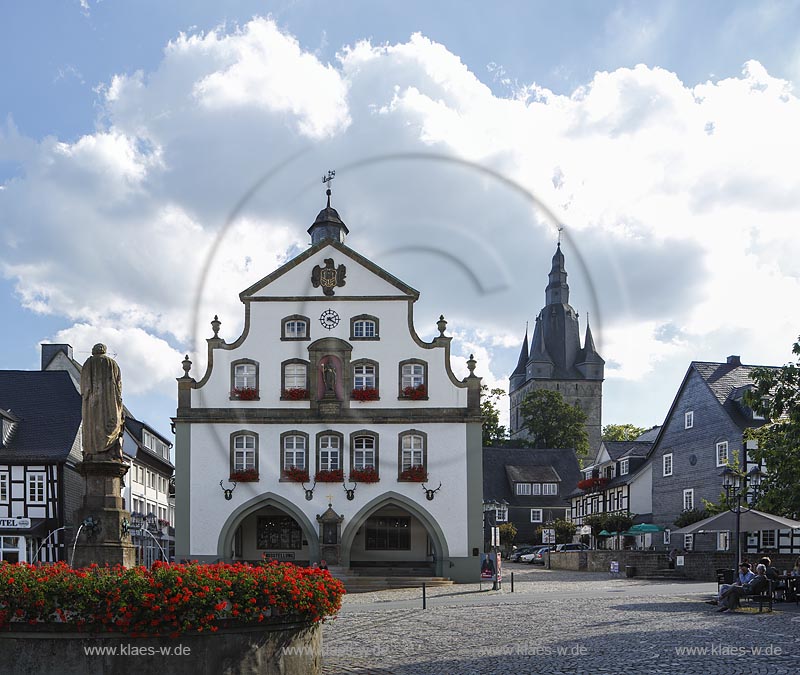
<point x="535" y="557"/>
<point x="522" y="550"/>
<point x="572" y="547"/>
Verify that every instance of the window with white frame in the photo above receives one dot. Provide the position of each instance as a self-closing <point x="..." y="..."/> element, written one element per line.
<point x="294" y="451"/>
<point x="688" y="542"/>
<point x="294" y="327"/>
<point x="36" y="489"/>
<point x="501" y="514"/>
<point x="412" y="375"/>
<point x="666" y="464"/>
<point x="688" y="419"/>
<point x="138" y="505"/>
<point x="549" y="488"/>
<point x="723" y="541"/>
<point x="624" y="467"/>
<point x="688" y="499"/>
<point x="524" y="489"/>
<point x="364" y="329"/>
<point x="4" y="487"/>
<point x="244" y="376"/>
<point x="151" y="479"/>
<point x="329" y="453"/>
<point x="162" y="513"/>
<point x="767" y="538"/>
<point x="536" y="488"/>
<point x="244" y="452"/>
<point x="364" y="376"/>
<point x="155" y="444"/>
<point x="536" y="515"/>
<point x="295" y="376"/>
<point x="412" y="451"/>
<point x="364" y="452"/>
<point x="667" y="534"/>
<point x="722" y="453"/>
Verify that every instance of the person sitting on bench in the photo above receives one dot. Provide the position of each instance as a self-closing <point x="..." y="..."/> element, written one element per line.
<point x="729" y="599"/>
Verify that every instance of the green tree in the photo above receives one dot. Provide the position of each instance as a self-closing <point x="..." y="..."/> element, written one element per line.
<point x="508" y="532"/>
<point x="565" y="530"/>
<point x="596" y="521"/>
<point x="618" y="522"/>
<point x="690" y="516"/>
<point x="553" y="423"/>
<point x="621" y="432"/>
<point x="776" y="396"/>
<point x="494" y="433"/>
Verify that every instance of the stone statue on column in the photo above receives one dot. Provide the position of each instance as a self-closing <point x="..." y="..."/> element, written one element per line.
<point x="102" y="523"/>
<point x="101" y="407"/>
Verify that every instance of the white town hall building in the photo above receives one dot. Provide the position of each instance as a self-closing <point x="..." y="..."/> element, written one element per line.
<point x="331" y="424"/>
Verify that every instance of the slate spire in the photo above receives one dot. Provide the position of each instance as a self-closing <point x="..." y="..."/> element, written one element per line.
<point x="523" y="355"/>
<point x="557" y="291"/>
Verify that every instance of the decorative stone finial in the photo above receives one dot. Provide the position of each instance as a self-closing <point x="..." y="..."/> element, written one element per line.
<point x="471" y="363"/>
<point x="187" y="366"/>
<point x="215" y="324"/>
<point x="441" y="324"/>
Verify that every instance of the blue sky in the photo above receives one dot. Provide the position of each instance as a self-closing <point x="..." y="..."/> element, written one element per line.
<point x="677" y="180"/>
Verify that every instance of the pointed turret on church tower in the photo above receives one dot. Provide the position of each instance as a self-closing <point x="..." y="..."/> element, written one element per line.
<point x="556" y="360"/>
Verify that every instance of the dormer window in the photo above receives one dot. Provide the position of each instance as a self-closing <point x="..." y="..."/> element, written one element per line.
<point x="523" y="489"/>
<point x="364" y="327"/>
<point x="623" y="467"/>
<point x="295" y="327"/>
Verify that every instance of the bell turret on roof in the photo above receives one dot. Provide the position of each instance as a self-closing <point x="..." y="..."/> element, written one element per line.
<point x="590" y="364"/>
<point x="523" y="355"/>
<point x="540" y="363"/>
<point x="328" y="224"/>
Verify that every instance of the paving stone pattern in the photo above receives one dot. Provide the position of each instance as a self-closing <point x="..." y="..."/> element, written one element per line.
<point x="559" y="622"/>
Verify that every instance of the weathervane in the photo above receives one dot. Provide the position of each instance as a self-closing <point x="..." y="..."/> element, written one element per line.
<point x="327" y="180"/>
<point x="559" y="230"/>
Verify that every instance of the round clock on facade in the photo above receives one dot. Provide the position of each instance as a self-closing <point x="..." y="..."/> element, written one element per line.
<point x="329" y="319"/>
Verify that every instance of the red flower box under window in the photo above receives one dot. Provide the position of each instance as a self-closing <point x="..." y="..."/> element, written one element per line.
<point x="366" y="475"/>
<point x="244" y="393"/>
<point x="367" y="394"/>
<point x="415" y="474"/>
<point x="244" y="476"/>
<point x="329" y="476"/>
<point x="295" y="394"/>
<point x="295" y="474"/>
<point x="415" y="393"/>
<point x="589" y="484"/>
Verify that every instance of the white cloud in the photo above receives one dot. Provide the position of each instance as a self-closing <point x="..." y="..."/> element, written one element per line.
<point x="675" y="226"/>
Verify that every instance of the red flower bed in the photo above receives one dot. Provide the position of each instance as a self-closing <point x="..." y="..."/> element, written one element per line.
<point x="589" y="484"/>
<point x="415" y="393"/>
<point x="246" y="476"/>
<point x="416" y="474"/>
<point x="166" y="599"/>
<point x="332" y="476"/>
<point x="295" y="394"/>
<point x="367" y="394"/>
<point x="244" y="393"/>
<point x="296" y="475"/>
<point x="365" y="475"/>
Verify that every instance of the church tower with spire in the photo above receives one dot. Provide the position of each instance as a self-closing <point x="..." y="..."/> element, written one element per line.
<point x="556" y="360"/>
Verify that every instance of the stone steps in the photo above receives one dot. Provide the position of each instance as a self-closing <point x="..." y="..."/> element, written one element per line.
<point x="666" y="574"/>
<point x="355" y="582"/>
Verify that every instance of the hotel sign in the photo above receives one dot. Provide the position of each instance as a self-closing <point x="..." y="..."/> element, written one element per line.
<point x="279" y="556"/>
<point x="15" y="523"/>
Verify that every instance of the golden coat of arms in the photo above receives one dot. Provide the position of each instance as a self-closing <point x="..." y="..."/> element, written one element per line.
<point x="329" y="277"/>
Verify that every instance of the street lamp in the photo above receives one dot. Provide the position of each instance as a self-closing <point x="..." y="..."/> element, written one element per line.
<point x="741" y="492"/>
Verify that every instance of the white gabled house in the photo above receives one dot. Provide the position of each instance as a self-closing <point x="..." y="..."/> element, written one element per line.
<point x="329" y="379"/>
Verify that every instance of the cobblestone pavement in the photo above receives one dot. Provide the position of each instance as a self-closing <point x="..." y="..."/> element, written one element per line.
<point x="559" y="622"/>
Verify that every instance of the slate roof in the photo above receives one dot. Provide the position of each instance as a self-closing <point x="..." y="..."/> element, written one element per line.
<point x="496" y="483"/>
<point x="134" y="428"/>
<point x="727" y="381"/>
<point x="532" y="474"/>
<point x="618" y="449"/>
<point x="650" y="434"/>
<point x="49" y="410"/>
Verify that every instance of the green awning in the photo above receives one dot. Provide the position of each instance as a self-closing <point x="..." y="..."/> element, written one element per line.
<point x="604" y="533"/>
<point x="645" y="528"/>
